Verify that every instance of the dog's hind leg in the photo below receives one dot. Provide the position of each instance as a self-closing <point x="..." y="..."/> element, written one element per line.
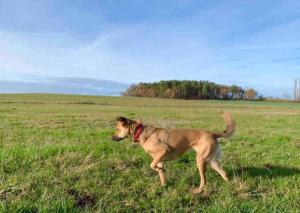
<point x="215" y="165"/>
<point x="204" y="150"/>
<point x="201" y="164"/>
<point x="157" y="165"/>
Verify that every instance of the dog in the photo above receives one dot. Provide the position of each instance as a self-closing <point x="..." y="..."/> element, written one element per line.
<point x="167" y="144"/>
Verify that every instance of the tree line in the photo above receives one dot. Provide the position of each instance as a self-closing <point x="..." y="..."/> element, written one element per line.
<point x="191" y="90"/>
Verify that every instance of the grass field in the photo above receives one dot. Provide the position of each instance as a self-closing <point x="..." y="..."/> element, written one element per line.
<point x="57" y="156"/>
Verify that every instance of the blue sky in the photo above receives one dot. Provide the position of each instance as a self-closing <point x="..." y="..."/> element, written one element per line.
<point x="245" y="42"/>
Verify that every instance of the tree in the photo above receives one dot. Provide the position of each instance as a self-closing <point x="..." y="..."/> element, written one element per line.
<point x="235" y="92"/>
<point x="250" y="94"/>
<point x="169" y="93"/>
<point x="223" y="92"/>
<point x="190" y="90"/>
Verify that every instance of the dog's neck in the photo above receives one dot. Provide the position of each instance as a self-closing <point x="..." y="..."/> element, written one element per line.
<point x="143" y="135"/>
<point x="137" y="132"/>
<point x="146" y="133"/>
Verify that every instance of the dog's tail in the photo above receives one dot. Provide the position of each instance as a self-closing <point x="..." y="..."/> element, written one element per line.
<point x="230" y="127"/>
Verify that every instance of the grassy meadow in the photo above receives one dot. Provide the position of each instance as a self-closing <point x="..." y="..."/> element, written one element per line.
<point x="56" y="155"/>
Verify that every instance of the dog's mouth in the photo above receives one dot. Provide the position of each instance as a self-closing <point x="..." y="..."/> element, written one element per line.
<point x="116" y="138"/>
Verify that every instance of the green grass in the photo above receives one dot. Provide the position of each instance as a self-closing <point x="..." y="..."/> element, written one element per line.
<point x="57" y="156"/>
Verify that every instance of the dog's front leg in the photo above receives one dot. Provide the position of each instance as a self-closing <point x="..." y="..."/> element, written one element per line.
<point x="157" y="165"/>
<point x="161" y="173"/>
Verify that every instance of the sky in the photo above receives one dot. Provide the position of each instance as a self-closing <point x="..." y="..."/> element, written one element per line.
<point x="245" y="42"/>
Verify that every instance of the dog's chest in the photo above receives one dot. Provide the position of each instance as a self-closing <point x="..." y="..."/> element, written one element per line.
<point x="148" y="148"/>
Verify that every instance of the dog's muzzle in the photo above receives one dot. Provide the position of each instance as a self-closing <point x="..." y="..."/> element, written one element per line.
<point x="116" y="138"/>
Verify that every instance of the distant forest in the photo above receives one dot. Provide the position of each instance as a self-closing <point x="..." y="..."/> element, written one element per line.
<point x="191" y="90"/>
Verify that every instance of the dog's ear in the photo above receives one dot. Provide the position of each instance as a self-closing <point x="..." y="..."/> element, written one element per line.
<point x="120" y="119"/>
<point x="123" y="120"/>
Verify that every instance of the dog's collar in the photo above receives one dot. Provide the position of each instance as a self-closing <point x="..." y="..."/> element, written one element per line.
<point x="137" y="132"/>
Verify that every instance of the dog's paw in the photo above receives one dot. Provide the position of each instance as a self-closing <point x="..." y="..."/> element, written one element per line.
<point x="197" y="190"/>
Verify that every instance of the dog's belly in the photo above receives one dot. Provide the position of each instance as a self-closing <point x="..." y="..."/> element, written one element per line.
<point x="170" y="152"/>
<point x="172" y="155"/>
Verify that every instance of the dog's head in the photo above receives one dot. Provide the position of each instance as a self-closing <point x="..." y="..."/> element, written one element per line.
<point x="124" y="128"/>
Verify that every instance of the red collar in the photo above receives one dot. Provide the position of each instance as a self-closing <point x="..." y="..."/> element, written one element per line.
<point x="137" y="132"/>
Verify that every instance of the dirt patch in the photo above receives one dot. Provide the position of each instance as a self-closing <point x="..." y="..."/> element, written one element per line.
<point x="82" y="200"/>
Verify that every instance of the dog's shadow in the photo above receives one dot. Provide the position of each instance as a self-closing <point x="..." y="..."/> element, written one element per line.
<point x="266" y="171"/>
